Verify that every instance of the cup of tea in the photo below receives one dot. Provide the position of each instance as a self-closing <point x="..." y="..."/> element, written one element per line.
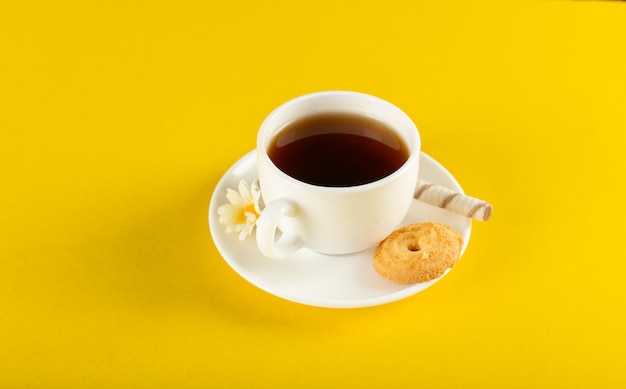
<point x="337" y="172"/>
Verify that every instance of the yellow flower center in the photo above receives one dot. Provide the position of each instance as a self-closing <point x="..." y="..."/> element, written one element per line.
<point x="241" y="217"/>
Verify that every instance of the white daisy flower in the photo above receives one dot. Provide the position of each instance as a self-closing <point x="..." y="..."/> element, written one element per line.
<point x="241" y="214"/>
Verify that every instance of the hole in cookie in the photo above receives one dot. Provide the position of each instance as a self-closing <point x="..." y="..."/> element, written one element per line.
<point x="414" y="247"/>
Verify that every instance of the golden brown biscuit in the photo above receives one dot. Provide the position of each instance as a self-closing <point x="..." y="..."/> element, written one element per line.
<point x="418" y="252"/>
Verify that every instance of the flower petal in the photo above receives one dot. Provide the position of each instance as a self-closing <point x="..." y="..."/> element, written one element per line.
<point x="233" y="197"/>
<point x="250" y="219"/>
<point x="228" y="214"/>
<point x="244" y="191"/>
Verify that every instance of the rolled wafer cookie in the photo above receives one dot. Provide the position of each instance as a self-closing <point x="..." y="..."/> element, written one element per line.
<point x="453" y="201"/>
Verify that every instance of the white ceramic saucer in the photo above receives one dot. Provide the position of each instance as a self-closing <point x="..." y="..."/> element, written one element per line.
<point x="346" y="281"/>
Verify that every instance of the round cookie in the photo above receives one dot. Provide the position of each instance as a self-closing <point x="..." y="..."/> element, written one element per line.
<point x="418" y="252"/>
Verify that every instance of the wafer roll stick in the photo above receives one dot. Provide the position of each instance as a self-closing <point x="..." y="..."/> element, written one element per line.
<point x="453" y="201"/>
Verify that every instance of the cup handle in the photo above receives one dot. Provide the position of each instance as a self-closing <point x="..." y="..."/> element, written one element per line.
<point x="288" y="242"/>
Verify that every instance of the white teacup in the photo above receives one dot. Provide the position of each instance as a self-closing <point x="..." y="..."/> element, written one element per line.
<point x="332" y="219"/>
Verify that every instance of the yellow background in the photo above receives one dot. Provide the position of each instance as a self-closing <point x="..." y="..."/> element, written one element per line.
<point x="117" y="119"/>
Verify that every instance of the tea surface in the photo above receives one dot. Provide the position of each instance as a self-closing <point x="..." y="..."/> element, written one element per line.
<point x="338" y="150"/>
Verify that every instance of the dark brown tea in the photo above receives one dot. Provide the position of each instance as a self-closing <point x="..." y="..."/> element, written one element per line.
<point x="337" y="150"/>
